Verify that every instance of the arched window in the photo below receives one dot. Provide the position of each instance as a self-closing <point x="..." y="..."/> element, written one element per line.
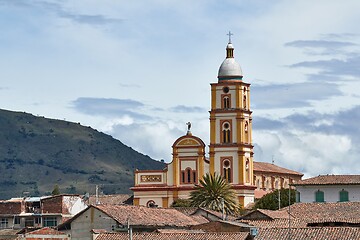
<point x="226" y="132"/>
<point x="226" y="102"/>
<point x="244" y="98"/>
<point x="319" y="196"/>
<point x="247" y="170"/>
<point x="188" y="176"/>
<point x="226" y="174"/>
<point x="344" y="196"/>
<point x="246" y="128"/>
<point x="258" y="184"/>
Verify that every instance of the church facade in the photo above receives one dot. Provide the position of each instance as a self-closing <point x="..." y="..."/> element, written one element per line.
<point x="230" y="149"/>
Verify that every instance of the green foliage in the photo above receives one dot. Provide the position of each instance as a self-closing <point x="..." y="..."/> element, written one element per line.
<point x="56" y="190"/>
<point x="180" y="202"/>
<point x="50" y="152"/>
<point x="270" y="200"/>
<point x="214" y="192"/>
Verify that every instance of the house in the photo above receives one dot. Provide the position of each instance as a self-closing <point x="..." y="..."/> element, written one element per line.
<point x="329" y="188"/>
<point x="112" y="218"/>
<point x="30" y="212"/>
<point x="269" y="177"/>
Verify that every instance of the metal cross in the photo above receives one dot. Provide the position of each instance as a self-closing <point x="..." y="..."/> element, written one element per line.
<point x="229" y="34"/>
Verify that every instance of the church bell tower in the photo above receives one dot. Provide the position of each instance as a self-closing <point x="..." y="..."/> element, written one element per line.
<point x="231" y="149"/>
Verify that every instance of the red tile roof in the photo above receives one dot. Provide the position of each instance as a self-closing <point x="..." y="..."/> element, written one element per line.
<point x="347" y="212"/>
<point x="144" y="216"/>
<point x="272" y="168"/>
<point x="305" y="214"/>
<point x="109" y="199"/>
<point x="46" y="231"/>
<point x="331" y="180"/>
<point x="259" y="193"/>
<point x="174" y="236"/>
<point x="328" y="233"/>
<point x="264" y="214"/>
<point x="276" y="223"/>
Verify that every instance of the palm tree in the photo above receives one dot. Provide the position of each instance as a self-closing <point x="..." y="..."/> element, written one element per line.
<point x="214" y="192"/>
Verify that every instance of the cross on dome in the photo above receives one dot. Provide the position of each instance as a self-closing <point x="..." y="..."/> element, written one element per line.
<point x="229" y="34"/>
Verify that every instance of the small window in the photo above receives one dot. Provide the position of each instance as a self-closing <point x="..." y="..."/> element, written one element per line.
<point x="37" y="220"/>
<point x="227" y="170"/>
<point x="188" y="176"/>
<point x="319" y="196"/>
<point x="50" y="222"/>
<point x="4" y="223"/>
<point x="298" y="196"/>
<point x="226" y="132"/>
<point x="344" y="196"/>
<point x="17" y="221"/>
<point x="226" y="102"/>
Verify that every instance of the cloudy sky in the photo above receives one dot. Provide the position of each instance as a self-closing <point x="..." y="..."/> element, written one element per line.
<point x="139" y="70"/>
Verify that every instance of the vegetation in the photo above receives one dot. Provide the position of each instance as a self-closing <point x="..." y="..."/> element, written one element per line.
<point x="271" y="200"/>
<point x="56" y="190"/>
<point x="36" y="153"/>
<point x="180" y="202"/>
<point x="214" y="193"/>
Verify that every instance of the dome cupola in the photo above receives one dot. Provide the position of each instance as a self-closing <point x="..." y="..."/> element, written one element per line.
<point x="230" y="69"/>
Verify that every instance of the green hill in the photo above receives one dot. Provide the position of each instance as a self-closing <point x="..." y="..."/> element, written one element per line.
<point x="37" y="153"/>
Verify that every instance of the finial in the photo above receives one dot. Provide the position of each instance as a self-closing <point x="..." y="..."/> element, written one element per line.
<point x="189" y="127"/>
<point x="229" y="34"/>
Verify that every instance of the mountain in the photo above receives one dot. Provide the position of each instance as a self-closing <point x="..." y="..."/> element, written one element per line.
<point x="37" y="153"/>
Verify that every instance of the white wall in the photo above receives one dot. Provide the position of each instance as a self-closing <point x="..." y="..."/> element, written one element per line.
<point x="331" y="192"/>
<point x="91" y="219"/>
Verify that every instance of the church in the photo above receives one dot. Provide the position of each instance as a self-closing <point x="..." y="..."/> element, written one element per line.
<point x="230" y="150"/>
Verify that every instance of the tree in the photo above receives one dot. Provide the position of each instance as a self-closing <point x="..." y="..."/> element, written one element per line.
<point x="56" y="190"/>
<point x="271" y="200"/>
<point x="214" y="193"/>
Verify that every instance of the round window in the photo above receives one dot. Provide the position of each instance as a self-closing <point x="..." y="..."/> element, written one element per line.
<point x="225" y="89"/>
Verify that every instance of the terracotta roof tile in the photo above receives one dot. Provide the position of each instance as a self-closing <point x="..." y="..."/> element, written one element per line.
<point x="144" y="216"/>
<point x="46" y="231"/>
<point x="276" y="223"/>
<point x="328" y="233"/>
<point x="259" y="193"/>
<point x="347" y="212"/>
<point x="331" y="180"/>
<point x="174" y="236"/>
<point x="109" y="199"/>
<point x="186" y="210"/>
<point x="269" y="167"/>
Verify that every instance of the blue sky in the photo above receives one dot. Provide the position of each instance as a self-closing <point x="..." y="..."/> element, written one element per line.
<point x="139" y="70"/>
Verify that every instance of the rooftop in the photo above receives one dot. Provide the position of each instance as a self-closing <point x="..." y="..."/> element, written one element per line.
<point x="174" y="236"/>
<point x="331" y="233"/>
<point x="144" y="216"/>
<point x="331" y="180"/>
<point x="269" y="167"/>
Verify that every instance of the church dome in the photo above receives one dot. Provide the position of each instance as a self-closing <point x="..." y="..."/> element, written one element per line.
<point x="230" y="69"/>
